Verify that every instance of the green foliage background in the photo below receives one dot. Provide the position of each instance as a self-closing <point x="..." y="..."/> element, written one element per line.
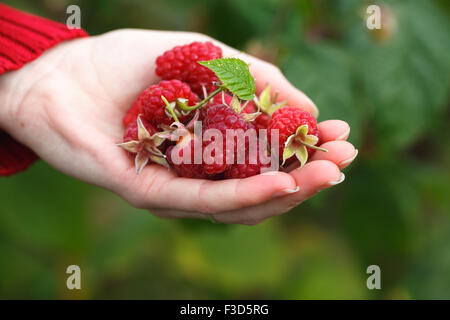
<point x="393" y="210"/>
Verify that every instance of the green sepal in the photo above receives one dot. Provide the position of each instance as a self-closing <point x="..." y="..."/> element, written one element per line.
<point x="297" y="145"/>
<point x="266" y="103"/>
<point x="235" y="104"/>
<point x="302" y="155"/>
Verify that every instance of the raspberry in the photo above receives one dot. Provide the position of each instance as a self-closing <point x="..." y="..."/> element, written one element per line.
<point x="287" y="120"/>
<point x="221" y="98"/>
<point x="131" y="115"/>
<point x="150" y="104"/>
<point x="191" y="169"/>
<point x="261" y="122"/>
<point x="140" y="139"/>
<point x="131" y="131"/>
<point x="247" y="169"/>
<point x="181" y="63"/>
<point x="222" y="118"/>
<point x="187" y="170"/>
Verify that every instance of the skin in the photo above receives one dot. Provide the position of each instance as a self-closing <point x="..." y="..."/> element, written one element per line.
<point x="68" y="104"/>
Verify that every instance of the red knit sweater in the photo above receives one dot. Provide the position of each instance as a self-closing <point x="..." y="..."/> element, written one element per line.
<point x="23" y="38"/>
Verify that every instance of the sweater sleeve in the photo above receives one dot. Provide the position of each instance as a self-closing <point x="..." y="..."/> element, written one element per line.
<point x="23" y="38"/>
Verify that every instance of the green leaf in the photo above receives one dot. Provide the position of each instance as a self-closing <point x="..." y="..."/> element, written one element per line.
<point x="405" y="80"/>
<point x="324" y="73"/>
<point x="234" y="75"/>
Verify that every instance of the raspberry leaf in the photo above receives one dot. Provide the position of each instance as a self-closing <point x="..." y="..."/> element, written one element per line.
<point x="234" y="75"/>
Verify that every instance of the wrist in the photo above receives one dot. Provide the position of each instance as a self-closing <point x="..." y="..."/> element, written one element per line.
<point x="9" y="95"/>
<point x="24" y="89"/>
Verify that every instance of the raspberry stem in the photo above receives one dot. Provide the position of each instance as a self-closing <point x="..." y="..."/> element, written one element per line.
<point x="169" y="107"/>
<point x="185" y="107"/>
<point x="315" y="147"/>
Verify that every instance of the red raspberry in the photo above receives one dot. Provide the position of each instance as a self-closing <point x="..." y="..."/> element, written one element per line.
<point x="287" y="120"/>
<point x="261" y="122"/>
<point x="187" y="170"/>
<point x="150" y="104"/>
<point x="139" y="140"/>
<point x="181" y="63"/>
<point x="131" y="115"/>
<point x="131" y="131"/>
<point x="247" y="169"/>
<point x="223" y="118"/>
<point x="221" y="98"/>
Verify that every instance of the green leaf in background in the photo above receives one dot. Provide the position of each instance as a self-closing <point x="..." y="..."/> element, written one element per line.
<point x="234" y="74"/>
<point x="324" y="73"/>
<point x="430" y="277"/>
<point x="405" y="79"/>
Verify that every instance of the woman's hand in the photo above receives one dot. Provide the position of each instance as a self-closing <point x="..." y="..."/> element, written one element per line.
<point x="68" y="104"/>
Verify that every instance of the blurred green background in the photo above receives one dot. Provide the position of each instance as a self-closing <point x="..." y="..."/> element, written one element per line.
<point x="393" y="210"/>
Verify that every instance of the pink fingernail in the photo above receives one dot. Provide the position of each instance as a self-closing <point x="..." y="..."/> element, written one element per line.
<point x="341" y="179"/>
<point x="345" y="162"/>
<point x="285" y="192"/>
<point x="344" y="135"/>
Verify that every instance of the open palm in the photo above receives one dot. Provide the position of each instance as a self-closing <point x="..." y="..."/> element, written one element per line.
<point x="72" y="100"/>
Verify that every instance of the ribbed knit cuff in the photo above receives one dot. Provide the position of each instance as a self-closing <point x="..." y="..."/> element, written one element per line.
<point x="14" y="157"/>
<point x="23" y="38"/>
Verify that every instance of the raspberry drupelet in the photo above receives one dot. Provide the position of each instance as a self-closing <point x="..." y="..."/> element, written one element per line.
<point x="181" y="63"/>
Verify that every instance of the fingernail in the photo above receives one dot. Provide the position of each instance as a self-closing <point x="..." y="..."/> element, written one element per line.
<point x="341" y="179"/>
<point x="285" y="192"/>
<point x="345" y="162"/>
<point x="344" y="135"/>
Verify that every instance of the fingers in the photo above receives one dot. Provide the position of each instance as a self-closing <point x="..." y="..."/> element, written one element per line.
<point x="311" y="178"/>
<point x="333" y="134"/>
<point x="331" y="130"/>
<point x="342" y="153"/>
<point x="162" y="190"/>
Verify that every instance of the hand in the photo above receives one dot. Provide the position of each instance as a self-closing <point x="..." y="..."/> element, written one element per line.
<point x="68" y="104"/>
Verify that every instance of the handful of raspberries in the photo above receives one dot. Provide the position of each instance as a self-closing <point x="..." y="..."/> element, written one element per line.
<point x="204" y="121"/>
